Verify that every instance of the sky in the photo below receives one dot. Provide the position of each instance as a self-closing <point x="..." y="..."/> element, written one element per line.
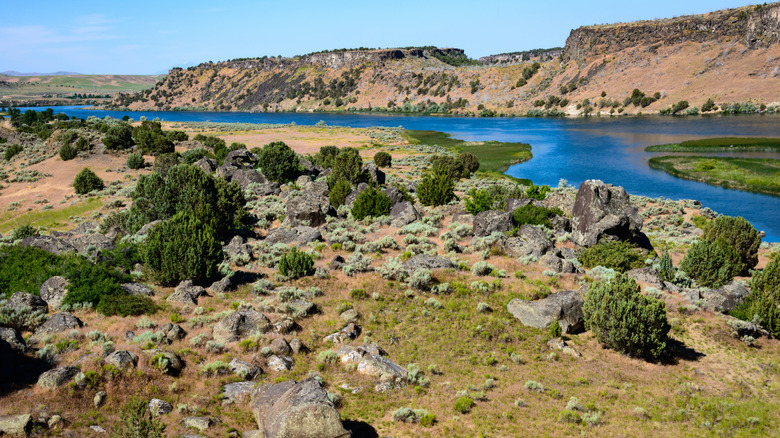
<point x="150" y="37"/>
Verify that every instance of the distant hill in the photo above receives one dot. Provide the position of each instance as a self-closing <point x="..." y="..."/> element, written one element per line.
<point x="730" y="56"/>
<point x="68" y="89"/>
<point x="56" y="73"/>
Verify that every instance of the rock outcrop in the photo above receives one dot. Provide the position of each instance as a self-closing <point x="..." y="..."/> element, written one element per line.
<point x="603" y="210"/>
<point x="564" y="307"/>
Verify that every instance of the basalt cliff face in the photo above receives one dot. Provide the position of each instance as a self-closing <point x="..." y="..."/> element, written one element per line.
<point x="729" y="56"/>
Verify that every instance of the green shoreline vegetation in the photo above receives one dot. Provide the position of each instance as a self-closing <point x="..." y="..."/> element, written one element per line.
<point x="760" y="175"/>
<point x="494" y="157"/>
<point x="721" y="144"/>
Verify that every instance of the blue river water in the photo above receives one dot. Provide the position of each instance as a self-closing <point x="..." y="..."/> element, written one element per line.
<point x="575" y="149"/>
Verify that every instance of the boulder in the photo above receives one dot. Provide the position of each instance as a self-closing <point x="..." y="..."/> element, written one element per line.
<point x="374" y="174"/>
<point x="238" y="250"/>
<point x="302" y="180"/>
<point x="300" y="235"/>
<point x="147" y="227"/>
<point x="17" y="425"/>
<point x="57" y="377"/>
<point x="492" y="221"/>
<point x="463" y="217"/>
<point x="350" y="315"/>
<point x="186" y="293"/>
<point x="297" y="346"/>
<point x="59" y="322"/>
<point x="172" y="332"/>
<point x="271" y="188"/>
<point x="245" y="370"/>
<point x="237" y="393"/>
<point x="137" y="289"/>
<point x="557" y="264"/>
<point x="23" y="299"/>
<point x="530" y="240"/>
<point x="403" y="213"/>
<point x="285" y="325"/>
<point x="563" y="346"/>
<point x="394" y="195"/>
<point x="513" y="204"/>
<point x="352" y="196"/>
<point x="309" y="209"/>
<point x="223" y="285"/>
<point x="280" y="363"/>
<point x="122" y="359"/>
<point x="564" y="307"/>
<point x="296" y="409"/>
<point x="206" y="164"/>
<point x="349" y="332"/>
<point x="89" y="243"/>
<point x="603" y="210"/>
<point x="172" y="362"/>
<point x="226" y="171"/>
<point x="159" y="407"/>
<point x="337" y="263"/>
<point x="308" y="167"/>
<point x="85" y="227"/>
<point x="426" y="261"/>
<point x="388" y="371"/>
<point x="560" y="224"/>
<point x="49" y="244"/>
<point x="279" y="346"/>
<point x="647" y="275"/>
<point x="726" y="298"/>
<point x="13" y="338"/>
<point x="241" y="158"/>
<point x="199" y="423"/>
<point x="240" y="324"/>
<point x="245" y="177"/>
<point x="53" y="291"/>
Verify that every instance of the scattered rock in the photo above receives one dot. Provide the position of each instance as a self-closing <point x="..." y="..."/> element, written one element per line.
<point x="530" y="240"/>
<point x="99" y="399"/>
<point x="403" y="213"/>
<point x="350" y="315"/>
<point x="199" y="423"/>
<point x="23" y="299"/>
<point x="57" y="377"/>
<point x="557" y="264"/>
<point x="237" y="393"/>
<point x="564" y="307"/>
<point x="49" y="244"/>
<point x="137" y="289"/>
<point x="19" y="425"/>
<point x="245" y="370"/>
<point x="246" y="177"/>
<point x="492" y="221"/>
<point x="13" y="338"/>
<point x="726" y="298"/>
<point x="560" y="344"/>
<point x="647" y="275"/>
<point x="206" y="164"/>
<point x="186" y="293"/>
<point x="374" y="174"/>
<point x="59" y="322"/>
<point x="267" y="189"/>
<point x="90" y="243"/>
<point x="337" y="263"/>
<point x="241" y="158"/>
<point x="222" y="286"/>
<point x="604" y="210"/>
<point x="297" y="346"/>
<point x="279" y="346"/>
<point x="296" y="409"/>
<point x="173" y="363"/>
<point x="238" y="250"/>
<point x="122" y="359"/>
<point x="172" y="332"/>
<point x="354" y="194"/>
<point x="97" y="429"/>
<point x="426" y="261"/>
<point x="393" y="194"/>
<point x="309" y="209"/>
<point x="300" y="235"/>
<point x="280" y="363"/>
<point x="349" y="332"/>
<point x="240" y="324"/>
<point x="53" y="291"/>
<point x="159" y="407"/>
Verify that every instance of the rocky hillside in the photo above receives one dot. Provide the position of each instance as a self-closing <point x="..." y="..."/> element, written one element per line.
<point x="730" y="56"/>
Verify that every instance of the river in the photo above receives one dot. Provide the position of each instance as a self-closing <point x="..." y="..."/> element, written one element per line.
<point x="575" y="149"/>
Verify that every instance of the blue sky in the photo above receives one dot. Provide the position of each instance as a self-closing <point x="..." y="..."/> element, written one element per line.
<point x="145" y="37"/>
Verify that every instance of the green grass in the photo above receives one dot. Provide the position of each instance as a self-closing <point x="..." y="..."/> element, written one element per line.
<point x="721" y="144"/>
<point x="752" y="174"/>
<point x="494" y="157"/>
<point x="70" y="84"/>
<point x="47" y="218"/>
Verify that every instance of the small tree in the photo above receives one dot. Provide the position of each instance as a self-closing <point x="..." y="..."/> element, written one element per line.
<point x="761" y="305"/>
<point x="67" y="152"/>
<point x="135" y="161"/>
<point x="151" y="138"/>
<point x="623" y="319"/>
<point x="469" y="162"/>
<point x="278" y="162"/>
<point x="86" y="181"/>
<point x="711" y="264"/>
<point x="119" y="137"/>
<point x="740" y="235"/>
<point x="371" y="202"/>
<point x="383" y="159"/>
<point x="339" y="191"/>
<point x="436" y="188"/>
<point x="479" y="201"/>
<point x="296" y="264"/>
<point x="138" y="421"/>
<point x="348" y="165"/>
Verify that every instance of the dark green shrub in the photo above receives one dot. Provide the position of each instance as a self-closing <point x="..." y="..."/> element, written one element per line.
<point x="326" y="156"/>
<point x="623" y="319"/>
<point x="67" y="152"/>
<point x="91" y="283"/>
<point x="193" y="155"/>
<point x="740" y="235"/>
<point x="151" y="139"/>
<point x="164" y="162"/>
<point x="348" y="165"/>
<point x="761" y="306"/>
<point x="12" y="151"/>
<point x="24" y="231"/>
<point x="82" y="144"/>
<point x="537" y="192"/>
<point x="711" y="264"/>
<point x="666" y="269"/>
<point x="339" y="191"/>
<point x="182" y="247"/>
<point x="138" y="421"/>
<point x="451" y="165"/>
<point x="469" y="162"/>
<point x="371" y="202"/>
<point x="383" y="159"/>
<point x="463" y="404"/>
<point x="214" y="143"/>
<point x="436" y="188"/>
<point x="86" y="181"/>
<point x="126" y="305"/>
<point x="119" y="137"/>
<point x="617" y="255"/>
<point x="24" y="268"/>
<point x="177" y="135"/>
<point x="135" y="161"/>
<point x="296" y="264"/>
<point x="479" y="201"/>
<point x="278" y="162"/>
<point x="531" y="214"/>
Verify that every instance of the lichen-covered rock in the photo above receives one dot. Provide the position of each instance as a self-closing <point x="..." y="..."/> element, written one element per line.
<point x="16" y="425"/>
<point x="604" y="210"/>
<point x="245" y="177"/>
<point x="300" y="235"/>
<point x="245" y="370"/>
<point x="237" y="393"/>
<point x="166" y="361"/>
<point x="240" y="324"/>
<point x="238" y="251"/>
<point x="530" y="240"/>
<point x="267" y="189"/>
<point x="172" y="332"/>
<point x="206" y="164"/>
<point x="726" y="298"/>
<point x="137" y="289"/>
<point x="57" y="377"/>
<point x="374" y="174"/>
<point x="89" y="243"/>
<point x="296" y="409"/>
<point x="13" y="338"/>
<point x="279" y="346"/>
<point x="564" y="307"/>
<point x="309" y="209"/>
<point x="492" y="221"/>
<point x="280" y="363"/>
<point x="49" y="244"/>
<point x="186" y="293"/>
<point x="403" y="213"/>
<point x="59" y="322"/>
<point x="223" y="285"/>
<point x="199" y="423"/>
<point x="23" y="299"/>
<point x="122" y="359"/>
<point x="349" y="332"/>
<point x="159" y="407"/>
<point x="241" y="158"/>
<point x="557" y="264"/>
<point x="53" y="291"/>
<point x="425" y="261"/>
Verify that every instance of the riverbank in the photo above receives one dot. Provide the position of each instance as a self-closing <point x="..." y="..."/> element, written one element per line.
<point x="721" y="144"/>
<point x="761" y="175"/>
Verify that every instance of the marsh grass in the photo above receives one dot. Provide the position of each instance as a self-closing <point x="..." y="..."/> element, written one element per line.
<point x="751" y="174"/>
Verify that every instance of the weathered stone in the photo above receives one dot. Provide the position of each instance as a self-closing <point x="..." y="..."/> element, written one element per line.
<point x="172" y="332"/>
<point x="137" y="289"/>
<point x="300" y="235"/>
<point x="59" y="322"/>
<point x="99" y="399"/>
<point x="241" y="158"/>
<point x="604" y="210"/>
<point x="18" y="425"/>
<point x="57" y="377"/>
<point x="280" y="363"/>
<point x="13" y="338"/>
<point x="226" y="171"/>
<point x="53" y="291"/>
<point x="530" y="240"/>
<point x="374" y="174"/>
<point x="238" y="251"/>
<point x="403" y="213"/>
<point x="297" y="346"/>
<point x="492" y="221"/>
<point x="647" y="275"/>
<point x="393" y="194"/>
<point x="23" y="299"/>
<point x="302" y="180"/>
<point x="54" y="421"/>
<point x="237" y="393"/>
<point x="564" y="307"/>
<point x="296" y="409"/>
<point x="560" y="344"/>
<point x="426" y="261"/>
<point x="245" y="177"/>
<point x="384" y="368"/>
<point x="89" y="243"/>
<point x="245" y="370"/>
<point x="279" y="346"/>
<point x="557" y="264"/>
<point x="285" y="325"/>
<point x="271" y="188"/>
<point x="222" y="286"/>
<point x="199" y="423"/>
<point x="181" y="296"/>
<point x="513" y="204"/>
<point x="147" y="227"/>
<point x="350" y="315"/>
<point x="172" y="364"/>
<point x="240" y="324"/>
<point x="301" y="308"/>
<point x="122" y="359"/>
<point x="318" y="187"/>
<point x="337" y="263"/>
<point x="206" y="164"/>
<point x="309" y="209"/>
<point x="49" y="244"/>
<point x="560" y="224"/>
<point x="463" y="217"/>
<point x="726" y="298"/>
<point x="86" y="227"/>
<point x="159" y="407"/>
<point x="349" y="332"/>
<point x="354" y="194"/>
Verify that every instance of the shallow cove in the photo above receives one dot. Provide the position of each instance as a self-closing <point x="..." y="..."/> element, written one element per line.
<point x="575" y="149"/>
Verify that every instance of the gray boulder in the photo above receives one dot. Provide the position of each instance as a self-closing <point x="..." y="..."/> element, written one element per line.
<point x="223" y="285"/>
<point x="297" y="346"/>
<point x="147" y="227"/>
<point x="564" y="307"/>
<point x="560" y="224"/>
<point x="647" y="275"/>
<point x="17" y="425"/>
<point x="241" y="158"/>
<point x="199" y="423"/>
<point x="57" y="377"/>
<point x="238" y="251"/>
<point x="557" y="264"/>
<point x="530" y="240"/>
<point x="492" y="221"/>
<point x="137" y="289"/>
<point x="172" y="332"/>
<point x="159" y="407"/>
<point x="337" y="263"/>
<point x="318" y="187"/>
<point x="206" y="164"/>
<point x="271" y="188"/>
<point x="122" y="359"/>
<point x="463" y="217"/>
<point x="245" y="370"/>
<point x="374" y="174"/>
<point x="393" y="194"/>
<point x="53" y="291"/>
<point x="226" y="171"/>
<point x="59" y="322"/>
<point x="303" y="180"/>
<point x="279" y="346"/>
<point x="296" y="409"/>
<point x="89" y="243"/>
<point x="300" y="235"/>
<point x="49" y="244"/>
<point x="349" y="332"/>
<point x="13" y="338"/>
<point x="237" y="393"/>
<point x="427" y="262"/>
<point x="604" y="210"/>
<point x="240" y="324"/>
<point x="245" y="177"/>
<point x="167" y="361"/>
<point x="280" y="363"/>
<point x="726" y="298"/>
<point x="352" y="196"/>
<point x="23" y="299"/>
<point x="309" y="209"/>
<point x="403" y="213"/>
<point x="186" y="293"/>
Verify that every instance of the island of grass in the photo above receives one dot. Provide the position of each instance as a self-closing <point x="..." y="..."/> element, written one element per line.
<point x="721" y="144"/>
<point x="495" y="157"/>
<point x="760" y="175"/>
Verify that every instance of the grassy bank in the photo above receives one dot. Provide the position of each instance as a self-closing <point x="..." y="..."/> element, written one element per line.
<point x="752" y="174"/>
<point x="721" y="144"/>
<point x="54" y="218"/>
<point x="495" y="157"/>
